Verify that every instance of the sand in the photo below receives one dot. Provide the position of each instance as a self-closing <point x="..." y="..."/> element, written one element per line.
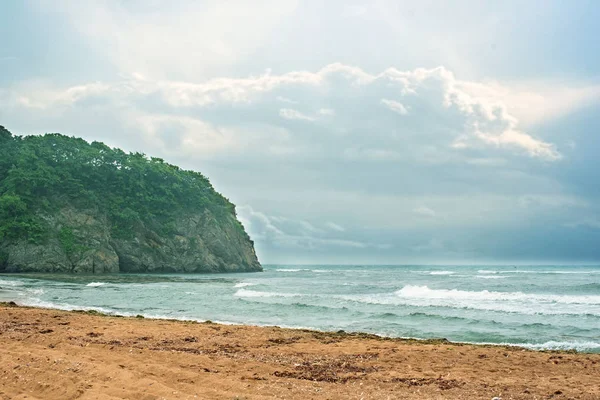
<point x="50" y="354"/>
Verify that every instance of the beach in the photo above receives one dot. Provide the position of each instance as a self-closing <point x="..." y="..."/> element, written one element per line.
<point x="53" y="354"/>
<point x="540" y="308"/>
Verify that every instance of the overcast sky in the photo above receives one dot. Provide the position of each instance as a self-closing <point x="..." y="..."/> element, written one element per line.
<point x="344" y="131"/>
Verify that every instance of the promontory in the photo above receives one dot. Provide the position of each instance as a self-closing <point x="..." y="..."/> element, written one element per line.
<point x="69" y="206"/>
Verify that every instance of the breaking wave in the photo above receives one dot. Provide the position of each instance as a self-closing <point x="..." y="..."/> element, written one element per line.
<point x="513" y="302"/>
<point x="95" y="284"/>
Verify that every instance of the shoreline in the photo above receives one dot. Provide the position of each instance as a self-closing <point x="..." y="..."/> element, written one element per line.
<point x="49" y="353"/>
<point x="109" y="313"/>
<point x="94" y="311"/>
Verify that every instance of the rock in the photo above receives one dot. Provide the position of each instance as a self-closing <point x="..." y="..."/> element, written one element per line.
<point x="201" y="244"/>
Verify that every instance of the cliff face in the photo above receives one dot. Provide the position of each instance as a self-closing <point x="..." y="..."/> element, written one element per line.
<point x="174" y="222"/>
<point x="200" y="244"/>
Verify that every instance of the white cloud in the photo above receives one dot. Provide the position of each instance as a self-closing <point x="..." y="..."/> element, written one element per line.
<point x="534" y="102"/>
<point x="335" y="227"/>
<point x="395" y="106"/>
<point x="443" y="110"/>
<point x="326" y="111"/>
<point x="447" y="115"/>
<point x="285" y="100"/>
<point x="425" y="212"/>
<point x="187" y="39"/>
<point x="288" y="233"/>
<point x="289" y="113"/>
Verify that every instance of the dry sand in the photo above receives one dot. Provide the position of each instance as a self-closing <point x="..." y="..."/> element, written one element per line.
<point x="49" y="354"/>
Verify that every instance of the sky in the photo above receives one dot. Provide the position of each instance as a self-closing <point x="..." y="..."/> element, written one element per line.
<point x="378" y="132"/>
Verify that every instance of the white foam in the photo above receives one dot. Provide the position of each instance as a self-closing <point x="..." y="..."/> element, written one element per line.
<point x="292" y="269"/>
<point x="442" y="273"/>
<point x="410" y="291"/>
<point x="34" y="302"/>
<point x="517" y="302"/>
<point x="254" y="293"/>
<point x="490" y="277"/>
<point x="95" y="284"/>
<point x="10" y="283"/>
<point x="554" y="345"/>
<point x="530" y="271"/>
<point x="244" y="284"/>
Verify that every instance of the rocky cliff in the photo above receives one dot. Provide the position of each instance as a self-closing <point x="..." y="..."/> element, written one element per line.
<point x="67" y="206"/>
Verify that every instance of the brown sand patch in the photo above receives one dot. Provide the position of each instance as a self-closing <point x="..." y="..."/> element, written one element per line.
<point x="49" y="354"/>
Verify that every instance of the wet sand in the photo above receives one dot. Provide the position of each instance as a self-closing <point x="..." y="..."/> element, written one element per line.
<point x="50" y="354"/>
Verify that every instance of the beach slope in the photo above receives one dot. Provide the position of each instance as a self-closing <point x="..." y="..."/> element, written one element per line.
<point x="50" y="354"/>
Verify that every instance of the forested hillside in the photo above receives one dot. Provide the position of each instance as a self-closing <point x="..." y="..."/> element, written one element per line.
<point x="55" y="190"/>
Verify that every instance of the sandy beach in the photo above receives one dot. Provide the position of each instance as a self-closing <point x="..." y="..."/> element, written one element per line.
<point x="50" y="354"/>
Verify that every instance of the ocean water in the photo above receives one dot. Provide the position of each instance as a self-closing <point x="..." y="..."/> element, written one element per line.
<point x="539" y="307"/>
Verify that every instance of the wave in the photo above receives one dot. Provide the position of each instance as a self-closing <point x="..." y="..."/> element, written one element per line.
<point x="95" y="284"/>
<point x="528" y="271"/>
<point x="34" y="302"/>
<point x="410" y="291"/>
<point x="254" y="293"/>
<point x="490" y="277"/>
<point x="292" y="269"/>
<point x="441" y="273"/>
<point x="581" y="345"/>
<point x="10" y="283"/>
<point x="555" y="345"/>
<point x="512" y="302"/>
<point x="244" y="284"/>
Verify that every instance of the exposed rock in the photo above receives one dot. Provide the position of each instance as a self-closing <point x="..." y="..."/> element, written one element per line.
<point x="200" y="244"/>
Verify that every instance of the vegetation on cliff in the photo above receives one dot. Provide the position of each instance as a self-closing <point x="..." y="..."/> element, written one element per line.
<point x="133" y="194"/>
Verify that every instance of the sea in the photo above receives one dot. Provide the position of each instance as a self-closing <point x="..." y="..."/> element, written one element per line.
<point x="537" y="307"/>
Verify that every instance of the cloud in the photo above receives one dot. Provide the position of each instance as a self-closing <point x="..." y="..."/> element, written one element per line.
<point x="395" y="106"/>
<point x="335" y="227"/>
<point x="289" y="233"/>
<point x="285" y="100"/>
<point x="535" y="102"/>
<point x="445" y="121"/>
<point x="425" y="212"/>
<point x="326" y="111"/>
<point x="289" y="113"/>
<point x="186" y="40"/>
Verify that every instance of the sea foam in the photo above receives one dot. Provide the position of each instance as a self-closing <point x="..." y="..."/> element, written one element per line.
<point x="6" y="283"/>
<point x="95" y="284"/>
<point x="254" y="293"/>
<point x="292" y="269"/>
<point x="556" y="345"/>
<point x="424" y="292"/>
<point x="244" y="284"/>
<point x="511" y="302"/>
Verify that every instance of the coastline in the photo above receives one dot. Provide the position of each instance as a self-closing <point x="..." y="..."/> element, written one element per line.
<point x="49" y="353"/>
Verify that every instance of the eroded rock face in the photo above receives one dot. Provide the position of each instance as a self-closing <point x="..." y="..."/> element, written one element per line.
<point x="81" y="242"/>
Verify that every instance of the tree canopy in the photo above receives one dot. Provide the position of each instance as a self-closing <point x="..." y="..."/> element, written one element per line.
<point x="39" y="175"/>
